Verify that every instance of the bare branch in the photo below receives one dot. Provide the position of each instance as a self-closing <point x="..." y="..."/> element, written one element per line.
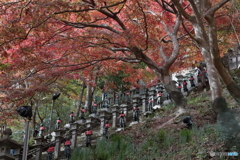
<point x="116" y="4"/>
<point x="85" y="25"/>
<point x="81" y="10"/>
<point x="22" y="10"/>
<point x="189" y="32"/>
<point x="165" y="5"/>
<point x="120" y="49"/>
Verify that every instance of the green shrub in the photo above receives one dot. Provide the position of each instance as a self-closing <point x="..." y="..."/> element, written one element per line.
<point x="161" y="135"/>
<point x="185" y="136"/>
<point x="81" y="154"/>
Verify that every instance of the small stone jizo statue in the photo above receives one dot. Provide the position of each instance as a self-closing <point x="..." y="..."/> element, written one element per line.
<point x="58" y="122"/>
<point x="127" y="97"/>
<point x="135" y="113"/>
<point x="50" y="151"/>
<point x="71" y="116"/>
<point x="192" y="81"/>
<point x="105" y="128"/>
<point x="185" y="89"/>
<point x="83" y="110"/>
<point x="179" y="87"/>
<point x="88" y="134"/>
<point x="67" y="150"/>
<point x="121" y="119"/>
<point x="42" y="129"/>
<point x="159" y="96"/>
<point x="150" y="104"/>
<point x="94" y="108"/>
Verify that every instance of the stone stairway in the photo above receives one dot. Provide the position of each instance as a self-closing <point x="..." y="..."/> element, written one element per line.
<point x="77" y="129"/>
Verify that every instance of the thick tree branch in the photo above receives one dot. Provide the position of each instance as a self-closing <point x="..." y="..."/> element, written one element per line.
<point x="213" y="9"/>
<point x="182" y="11"/>
<point x="115" y="17"/>
<point x="189" y="32"/>
<point x="196" y="12"/>
<point x="174" y="39"/>
<point x="145" y="25"/>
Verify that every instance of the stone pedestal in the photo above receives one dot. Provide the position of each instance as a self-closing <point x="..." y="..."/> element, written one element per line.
<point x="80" y="121"/>
<point x="74" y="128"/>
<point x="58" y="139"/>
<point x="144" y="103"/>
<point x="102" y="117"/>
<point x="38" y="146"/>
<point x="114" y="115"/>
<point x="88" y="122"/>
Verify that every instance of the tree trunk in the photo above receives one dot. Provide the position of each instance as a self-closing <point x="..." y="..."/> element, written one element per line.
<point x="80" y="98"/>
<point x="89" y="98"/>
<point x="206" y="39"/>
<point x="171" y="88"/>
<point x="232" y="87"/>
<point x="213" y="77"/>
<point x="34" y="119"/>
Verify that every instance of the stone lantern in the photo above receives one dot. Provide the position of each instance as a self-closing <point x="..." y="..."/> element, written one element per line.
<point x="6" y="144"/>
<point x="102" y="117"/>
<point x="114" y="115"/>
<point x="179" y="78"/>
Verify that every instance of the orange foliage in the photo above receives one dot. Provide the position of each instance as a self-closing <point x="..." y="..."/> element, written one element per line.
<point x="45" y="40"/>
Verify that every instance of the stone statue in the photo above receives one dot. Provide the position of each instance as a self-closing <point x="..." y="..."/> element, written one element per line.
<point x="159" y="96"/>
<point x="82" y="113"/>
<point x="59" y="121"/>
<point x="105" y="103"/>
<point x="185" y="89"/>
<point x="67" y="150"/>
<point x="192" y="82"/>
<point x="42" y="129"/>
<point x="94" y="108"/>
<point x="121" y="120"/>
<point x="105" y="129"/>
<point x="88" y="134"/>
<point x="179" y="87"/>
<point x="50" y="151"/>
<point x="150" y="104"/>
<point x="136" y="113"/>
<point x="71" y="116"/>
<point x="127" y="97"/>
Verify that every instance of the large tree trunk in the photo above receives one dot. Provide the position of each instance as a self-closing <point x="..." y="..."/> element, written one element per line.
<point x="79" y="104"/>
<point x="89" y="98"/>
<point x="227" y="120"/>
<point x="213" y="77"/>
<point x="232" y="87"/>
<point x="171" y="88"/>
<point x="206" y="38"/>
